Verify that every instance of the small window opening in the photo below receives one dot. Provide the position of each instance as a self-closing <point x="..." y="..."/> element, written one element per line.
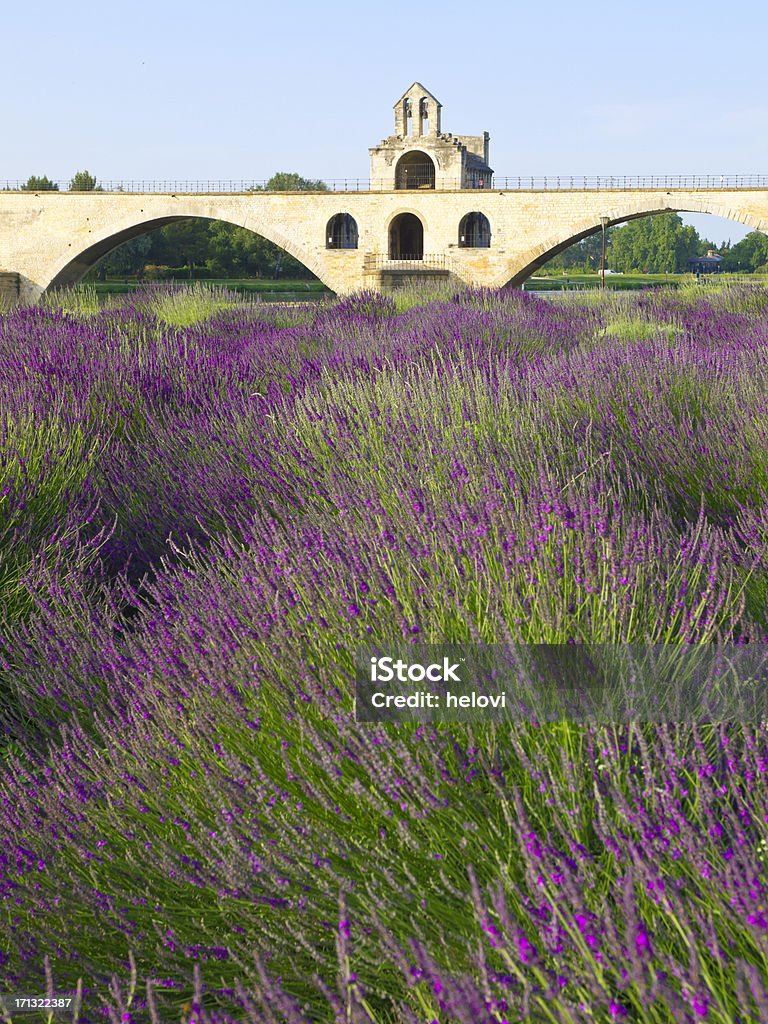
<point x="474" y="232"/>
<point x="341" y="232"/>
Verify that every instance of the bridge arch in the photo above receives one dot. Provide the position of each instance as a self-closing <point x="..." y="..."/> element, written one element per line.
<point x="521" y="267"/>
<point x="71" y="266"/>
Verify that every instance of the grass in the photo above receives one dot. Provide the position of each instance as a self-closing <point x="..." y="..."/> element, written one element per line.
<point x="243" y="286"/>
<point x="633" y="282"/>
<point x="212" y="504"/>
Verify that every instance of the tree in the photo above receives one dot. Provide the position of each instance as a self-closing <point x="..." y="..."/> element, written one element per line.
<point x="581" y="257"/>
<point x="83" y="182"/>
<point x="183" y="244"/>
<point x="128" y="258"/>
<point x="289" y="181"/>
<point x="687" y="245"/>
<point x="236" y="252"/>
<point x="36" y="184"/>
<point x="654" y="245"/>
<point x="748" y="254"/>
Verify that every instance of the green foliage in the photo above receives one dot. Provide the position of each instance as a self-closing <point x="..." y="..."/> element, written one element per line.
<point x="78" y="300"/>
<point x="290" y="181"/>
<point x="203" y="248"/>
<point x="581" y="256"/>
<point x="183" y="244"/>
<point x="184" y="305"/>
<point x="749" y="254"/>
<point x="40" y="184"/>
<point x="237" y="252"/>
<point x="128" y="258"/>
<point x="661" y="244"/>
<point x="83" y="181"/>
<point x="655" y="245"/>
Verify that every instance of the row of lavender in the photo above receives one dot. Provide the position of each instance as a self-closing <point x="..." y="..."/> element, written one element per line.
<point x="201" y="524"/>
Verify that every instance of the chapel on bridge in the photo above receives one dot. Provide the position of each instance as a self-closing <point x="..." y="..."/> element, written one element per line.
<point x="420" y="156"/>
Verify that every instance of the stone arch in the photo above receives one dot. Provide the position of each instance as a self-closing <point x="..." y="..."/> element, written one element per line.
<point x="415" y="169"/>
<point x="341" y="232"/>
<point x="75" y="263"/>
<point x="474" y="231"/>
<point x="521" y="267"/>
<point x="405" y="234"/>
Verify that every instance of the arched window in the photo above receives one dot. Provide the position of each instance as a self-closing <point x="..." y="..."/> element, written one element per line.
<point x="415" y="170"/>
<point x="474" y="232"/>
<point x="406" y="238"/>
<point x="341" y="232"/>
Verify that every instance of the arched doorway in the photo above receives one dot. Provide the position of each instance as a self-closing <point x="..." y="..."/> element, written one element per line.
<point x="474" y="232"/>
<point x="415" y="170"/>
<point x="406" y="238"/>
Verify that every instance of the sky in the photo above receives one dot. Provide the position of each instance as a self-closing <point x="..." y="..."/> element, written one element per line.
<point x="166" y="90"/>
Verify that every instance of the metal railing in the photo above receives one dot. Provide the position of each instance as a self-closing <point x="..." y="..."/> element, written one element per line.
<point x="429" y="261"/>
<point x="544" y="183"/>
<point x="415" y="176"/>
<point x="665" y="182"/>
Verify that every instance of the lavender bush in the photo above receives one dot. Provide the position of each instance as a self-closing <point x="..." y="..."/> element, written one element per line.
<point x="207" y="508"/>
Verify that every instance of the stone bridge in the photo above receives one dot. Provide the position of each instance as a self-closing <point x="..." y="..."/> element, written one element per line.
<point x="350" y="240"/>
<point x="432" y="208"/>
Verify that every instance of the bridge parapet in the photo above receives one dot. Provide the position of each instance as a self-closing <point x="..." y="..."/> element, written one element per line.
<point x="498" y="183"/>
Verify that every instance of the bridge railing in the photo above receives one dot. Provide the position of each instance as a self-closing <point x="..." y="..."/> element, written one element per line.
<point x="429" y="261"/>
<point x="666" y="182"/>
<point x="548" y="183"/>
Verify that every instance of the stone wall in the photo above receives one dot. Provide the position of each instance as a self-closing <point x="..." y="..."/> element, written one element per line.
<point x="9" y="288"/>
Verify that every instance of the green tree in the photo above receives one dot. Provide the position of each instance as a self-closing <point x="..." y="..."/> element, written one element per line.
<point x="654" y="245"/>
<point x="127" y="259"/>
<point x="83" y="181"/>
<point x="687" y="245"/>
<point x="183" y="244"/>
<point x="236" y="252"/>
<point x="581" y="257"/>
<point x="43" y="184"/>
<point x="289" y="181"/>
<point x="748" y="254"/>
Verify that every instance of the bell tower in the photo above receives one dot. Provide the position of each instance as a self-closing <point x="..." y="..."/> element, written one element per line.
<point x="417" y="113"/>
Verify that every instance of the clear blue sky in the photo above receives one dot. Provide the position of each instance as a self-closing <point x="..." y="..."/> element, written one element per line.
<point x="170" y="90"/>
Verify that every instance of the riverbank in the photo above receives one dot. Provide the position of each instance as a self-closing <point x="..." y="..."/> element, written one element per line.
<point x="630" y="282"/>
<point x="281" y="290"/>
<point x="302" y="290"/>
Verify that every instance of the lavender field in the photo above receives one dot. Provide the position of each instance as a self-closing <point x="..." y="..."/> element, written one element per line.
<point x="206" y="506"/>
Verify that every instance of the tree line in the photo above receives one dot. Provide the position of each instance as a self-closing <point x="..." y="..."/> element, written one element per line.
<point x="661" y="244"/>
<point x="82" y="181"/>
